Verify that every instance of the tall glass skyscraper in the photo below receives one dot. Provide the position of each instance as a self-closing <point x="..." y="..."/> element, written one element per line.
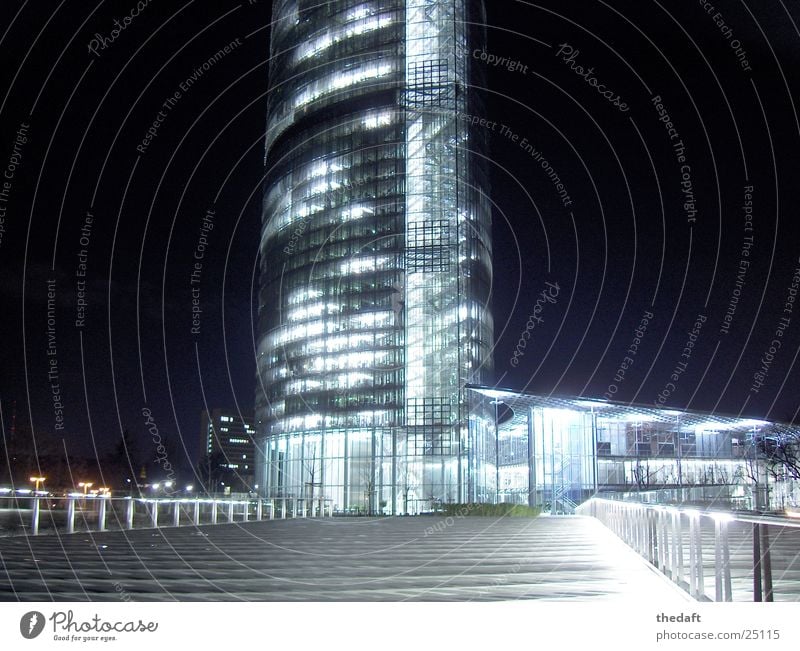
<point x="375" y="255"/>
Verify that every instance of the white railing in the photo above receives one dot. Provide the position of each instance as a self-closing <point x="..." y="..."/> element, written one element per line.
<point x="714" y="555"/>
<point x="32" y="515"/>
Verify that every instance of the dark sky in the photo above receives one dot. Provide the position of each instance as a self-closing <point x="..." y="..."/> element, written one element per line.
<point x="630" y="243"/>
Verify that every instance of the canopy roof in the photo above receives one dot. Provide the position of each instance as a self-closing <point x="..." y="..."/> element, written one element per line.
<point x="682" y="420"/>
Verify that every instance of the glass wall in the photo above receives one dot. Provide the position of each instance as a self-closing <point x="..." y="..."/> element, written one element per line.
<point x="555" y="452"/>
<point x="564" y="457"/>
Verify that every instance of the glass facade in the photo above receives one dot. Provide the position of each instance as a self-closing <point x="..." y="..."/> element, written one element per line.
<point x="375" y="256"/>
<point x="555" y="452"/>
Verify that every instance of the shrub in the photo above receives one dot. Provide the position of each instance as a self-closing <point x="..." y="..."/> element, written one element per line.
<point x="501" y="510"/>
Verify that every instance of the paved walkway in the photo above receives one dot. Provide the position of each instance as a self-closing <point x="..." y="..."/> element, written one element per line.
<point x="343" y="559"/>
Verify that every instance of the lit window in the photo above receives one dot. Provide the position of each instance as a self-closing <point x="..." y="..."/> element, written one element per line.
<point x="380" y="120"/>
<point x="355" y="212"/>
<point x="359" y="23"/>
<point x="362" y="11"/>
<point x="339" y="81"/>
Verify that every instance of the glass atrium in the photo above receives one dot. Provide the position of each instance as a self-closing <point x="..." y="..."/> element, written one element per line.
<point x="555" y="452"/>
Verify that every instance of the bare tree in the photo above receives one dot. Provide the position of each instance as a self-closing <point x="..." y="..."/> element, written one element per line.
<point x="782" y="454"/>
<point x="644" y="476"/>
<point x="404" y="481"/>
<point x="312" y="468"/>
<point x="723" y="475"/>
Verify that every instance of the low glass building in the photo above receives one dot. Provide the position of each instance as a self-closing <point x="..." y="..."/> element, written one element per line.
<point x="554" y="452"/>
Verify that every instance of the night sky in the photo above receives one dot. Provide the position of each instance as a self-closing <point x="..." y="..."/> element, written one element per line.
<point x="128" y="158"/>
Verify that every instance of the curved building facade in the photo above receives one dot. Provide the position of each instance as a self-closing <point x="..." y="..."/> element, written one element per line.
<point x="375" y="256"/>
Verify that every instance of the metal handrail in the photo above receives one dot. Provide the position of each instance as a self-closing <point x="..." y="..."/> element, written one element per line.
<point x="671" y="539"/>
<point x="144" y="512"/>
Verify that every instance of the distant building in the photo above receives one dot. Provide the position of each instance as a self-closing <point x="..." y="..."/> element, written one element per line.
<point x="227" y="444"/>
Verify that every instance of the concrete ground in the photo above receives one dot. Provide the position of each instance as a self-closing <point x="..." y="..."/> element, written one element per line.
<point x="426" y="558"/>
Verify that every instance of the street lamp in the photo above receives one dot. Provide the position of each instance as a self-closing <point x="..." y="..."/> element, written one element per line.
<point x="496" y="402"/>
<point x="37" y="480"/>
<point x="86" y="485"/>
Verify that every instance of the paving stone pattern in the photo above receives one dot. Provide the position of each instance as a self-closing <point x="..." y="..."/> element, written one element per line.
<point x="426" y="558"/>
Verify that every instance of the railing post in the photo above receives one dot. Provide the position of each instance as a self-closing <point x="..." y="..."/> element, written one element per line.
<point x="639" y="530"/>
<point x="629" y="513"/>
<point x="230" y="511"/>
<point x="677" y="547"/>
<point x="698" y="532"/>
<point x="176" y="513"/>
<point x="305" y="508"/>
<point x="70" y="515"/>
<point x="321" y="507"/>
<point x="681" y="556"/>
<point x="196" y="517"/>
<point x="766" y="563"/>
<point x="154" y="515"/>
<point x="629" y="520"/>
<point x="247" y="510"/>
<point x="652" y="542"/>
<point x="665" y="529"/>
<point x="626" y="522"/>
<point x="272" y="509"/>
<point x="757" y="595"/>
<point x="643" y="532"/>
<point x="727" y="589"/>
<point x="718" y="569"/>
<point x="35" y="517"/>
<point x="259" y="509"/>
<point x="129" y="513"/>
<point x="283" y="508"/>
<point x="640" y="512"/>
<point x="101" y="514"/>
<point x="213" y="511"/>
<point x="294" y="510"/>
<point x="692" y="556"/>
